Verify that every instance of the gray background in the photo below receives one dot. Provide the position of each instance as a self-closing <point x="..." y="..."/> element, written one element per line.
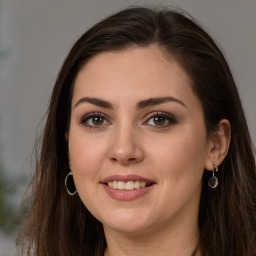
<point x="35" y="36"/>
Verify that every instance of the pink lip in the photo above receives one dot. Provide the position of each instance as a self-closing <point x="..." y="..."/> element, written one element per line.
<point x="127" y="195"/>
<point x="126" y="178"/>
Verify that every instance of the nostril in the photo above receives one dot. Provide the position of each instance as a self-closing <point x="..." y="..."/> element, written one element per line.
<point x="126" y="157"/>
<point x="124" y="160"/>
<point x="131" y="159"/>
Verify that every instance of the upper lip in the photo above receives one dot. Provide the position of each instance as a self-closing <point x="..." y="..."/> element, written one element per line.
<point x="126" y="178"/>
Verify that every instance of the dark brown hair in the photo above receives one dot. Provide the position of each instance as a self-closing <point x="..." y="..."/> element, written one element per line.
<point x="58" y="224"/>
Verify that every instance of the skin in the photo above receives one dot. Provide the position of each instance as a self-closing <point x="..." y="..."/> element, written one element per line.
<point x="126" y="140"/>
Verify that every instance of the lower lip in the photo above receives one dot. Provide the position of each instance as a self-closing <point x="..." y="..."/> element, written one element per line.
<point x="126" y="195"/>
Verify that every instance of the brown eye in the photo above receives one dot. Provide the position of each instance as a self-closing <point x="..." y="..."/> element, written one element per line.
<point x="94" y="120"/>
<point x="97" y="120"/>
<point x="161" y="120"/>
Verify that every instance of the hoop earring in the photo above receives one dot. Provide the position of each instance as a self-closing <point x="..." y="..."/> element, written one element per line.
<point x="213" y="181"/>
<point x="69" y="184"/>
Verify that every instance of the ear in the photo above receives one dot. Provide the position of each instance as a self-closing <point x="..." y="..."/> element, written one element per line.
<point x="218" y="144"/>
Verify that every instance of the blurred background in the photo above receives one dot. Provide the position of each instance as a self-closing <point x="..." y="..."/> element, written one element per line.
<point x="35" y="37"/>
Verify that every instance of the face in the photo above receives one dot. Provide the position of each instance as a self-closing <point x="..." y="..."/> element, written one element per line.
<point x="137" y="140"/>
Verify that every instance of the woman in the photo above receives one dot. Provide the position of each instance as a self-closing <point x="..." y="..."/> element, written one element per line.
<point x="146" y="120"/>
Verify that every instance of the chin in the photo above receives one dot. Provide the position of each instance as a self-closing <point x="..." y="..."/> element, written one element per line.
<point x="128" y="222"/>
<point x="127" y="228"/>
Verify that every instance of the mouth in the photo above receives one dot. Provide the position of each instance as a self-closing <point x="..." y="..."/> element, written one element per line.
<point x="127" y="188"/>
<point x="127" y="182"/>
<point x="128" y="185"/>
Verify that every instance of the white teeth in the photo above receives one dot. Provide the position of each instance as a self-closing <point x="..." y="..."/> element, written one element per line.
<point x="129" y="185"/>
<point x="115" y="184"/>
<point x="110" y="184"/>
<point x="137" y="184"/>
<point x="143" y="184"/>
<point x="121" y="185"/>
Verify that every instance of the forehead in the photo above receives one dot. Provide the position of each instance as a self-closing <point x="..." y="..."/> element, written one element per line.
<point x="134" y="73"/>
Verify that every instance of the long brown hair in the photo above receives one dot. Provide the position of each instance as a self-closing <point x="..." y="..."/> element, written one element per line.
<point x="58" y="224"/>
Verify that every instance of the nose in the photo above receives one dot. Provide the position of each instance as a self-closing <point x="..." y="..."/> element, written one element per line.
<point x="126" y="147"/>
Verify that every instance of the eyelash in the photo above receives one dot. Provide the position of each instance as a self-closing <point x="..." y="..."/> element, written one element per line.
<point x="166" y="116"/>
<point x="84" y="120"/>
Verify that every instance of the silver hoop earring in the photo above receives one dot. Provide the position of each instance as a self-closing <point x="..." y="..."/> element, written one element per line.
<point x="213" y="181"/>
<point x="69" y="184"/>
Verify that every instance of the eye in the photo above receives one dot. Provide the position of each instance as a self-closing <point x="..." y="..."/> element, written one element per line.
<point x="160" y="120"/>
<point x="94" y="120"/>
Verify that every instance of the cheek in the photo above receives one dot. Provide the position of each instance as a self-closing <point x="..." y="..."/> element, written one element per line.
<point x="180" y="160"/>
<point x="84" y="150"/>
<point x="86" y="158"/>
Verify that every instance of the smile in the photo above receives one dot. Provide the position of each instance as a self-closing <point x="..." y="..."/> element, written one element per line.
<point x="129" y="185"/>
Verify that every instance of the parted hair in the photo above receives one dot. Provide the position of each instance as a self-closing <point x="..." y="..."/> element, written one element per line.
<point x="58" y="224"/>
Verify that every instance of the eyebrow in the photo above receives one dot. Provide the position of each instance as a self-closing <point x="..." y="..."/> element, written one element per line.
<point x="140" y="105"/>
<point x="95" y="101"/>
<point x="157" y="101"/>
